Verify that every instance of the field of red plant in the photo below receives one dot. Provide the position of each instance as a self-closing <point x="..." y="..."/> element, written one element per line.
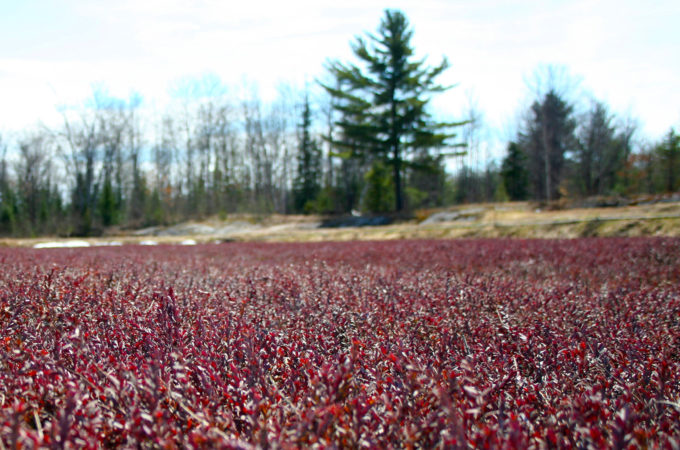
<point x="478" y="343"/>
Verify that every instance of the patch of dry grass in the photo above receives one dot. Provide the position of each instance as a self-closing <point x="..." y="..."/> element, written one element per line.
<point x="516" y="220"/>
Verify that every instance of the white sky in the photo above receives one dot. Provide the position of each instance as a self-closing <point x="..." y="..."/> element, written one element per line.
<point x="52" y="52"/>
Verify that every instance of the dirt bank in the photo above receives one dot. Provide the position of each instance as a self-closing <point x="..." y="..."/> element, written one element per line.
<point x="518" y="220"/>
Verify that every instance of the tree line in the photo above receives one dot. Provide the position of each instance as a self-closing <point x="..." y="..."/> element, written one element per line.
<point x="567" y="147"/>
<point x="367" y="142"/>
<point x="107" y="165"/>
<point x="559" y="153"/>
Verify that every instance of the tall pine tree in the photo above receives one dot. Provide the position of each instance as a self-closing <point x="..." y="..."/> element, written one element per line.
<point x="514" y="173"/>
<point x="601" y="152"/>
<point x="384" y="104"/>
<point x="669" y="157"/>
<point x="548" y="135"/>
<point x="306" y="185"/>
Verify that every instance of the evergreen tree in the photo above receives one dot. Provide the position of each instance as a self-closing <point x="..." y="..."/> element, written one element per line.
<point x="514" y="173"/>
<point x="108" y="213"/>
<point x="384" y="106"/>
<point x="379" y="193"/>
<point x="549" y="134"/>
<point x="669" y="157"/>
<point x="8" y="210"/>
<point x="601" y="152"/>
<point x="306" y="186"/>
<point x="155" y="214"/>
<point x="138" y="200"/>
<point x="427" y="181"/>
<point x="7" y="196"/>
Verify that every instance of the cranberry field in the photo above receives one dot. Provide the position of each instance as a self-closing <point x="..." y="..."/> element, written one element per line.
<point x="467" y="343"/>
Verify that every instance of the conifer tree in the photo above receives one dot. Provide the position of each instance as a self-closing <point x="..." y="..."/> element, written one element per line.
<point x="383" y="104"/>
<point x="669" y="156"/>
<point x="548" y="135"/>
<point x="514" y="173"/>
<point x="306" y="185"/>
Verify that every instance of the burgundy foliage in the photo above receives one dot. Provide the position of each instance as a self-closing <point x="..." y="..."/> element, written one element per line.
<point x="484" y="343"/>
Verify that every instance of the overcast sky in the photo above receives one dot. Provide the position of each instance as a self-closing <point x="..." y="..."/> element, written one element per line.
<point x="52" y="52"/>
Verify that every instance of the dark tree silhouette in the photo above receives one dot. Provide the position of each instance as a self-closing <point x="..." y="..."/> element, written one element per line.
<point x="383" y="104"/>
